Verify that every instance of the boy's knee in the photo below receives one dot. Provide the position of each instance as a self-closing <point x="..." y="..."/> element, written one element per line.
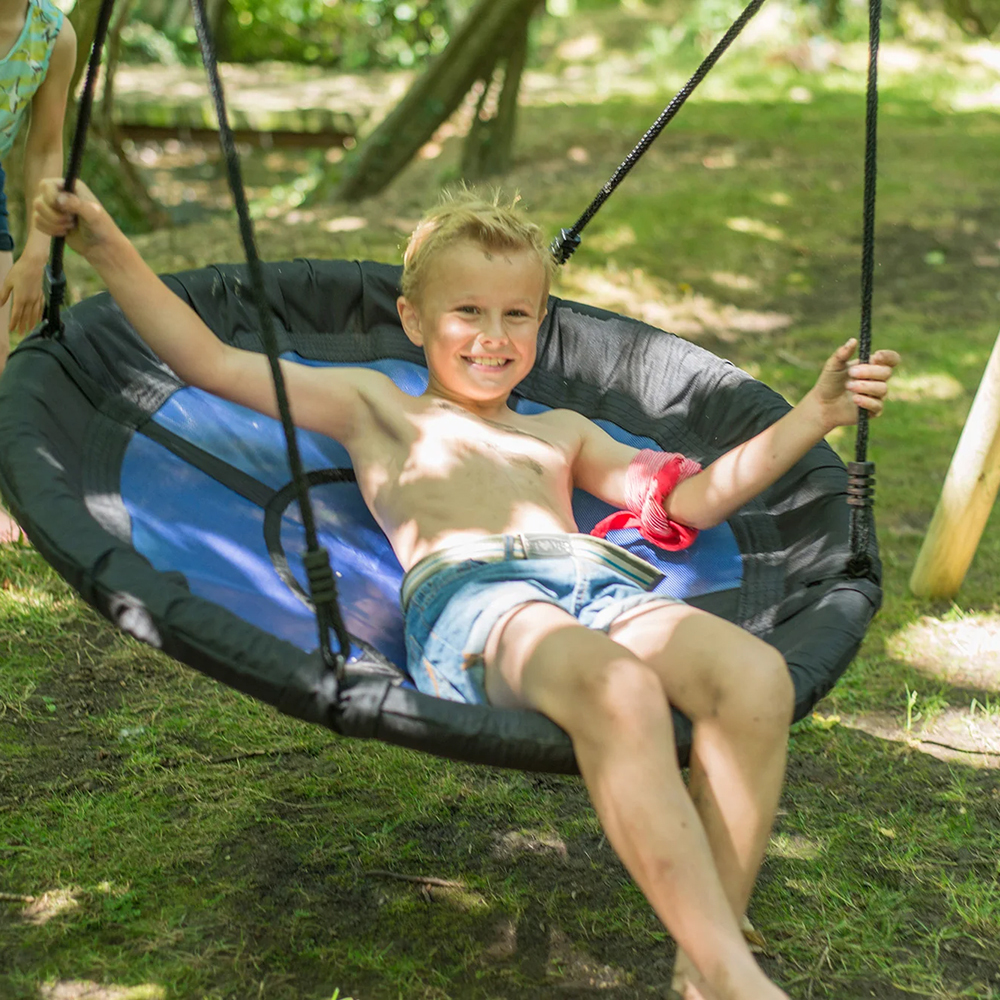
<point x="620" y="693"/>
<point x="768" y="692"/>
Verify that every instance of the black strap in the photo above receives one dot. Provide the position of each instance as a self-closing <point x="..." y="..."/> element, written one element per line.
<point x="317" y="558"/>
<point x="861" y="481"/>
<point x="569" y="239"/>
<point x="237" y="480"/>
<point x="55" y="277"/>
<point x="274" y="510"/>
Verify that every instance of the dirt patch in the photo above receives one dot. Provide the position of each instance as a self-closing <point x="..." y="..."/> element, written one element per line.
<point x="964" y="652"/>
<point x="953" y="735"/>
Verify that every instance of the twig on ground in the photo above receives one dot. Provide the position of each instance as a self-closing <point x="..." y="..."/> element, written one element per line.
<point x="948" y="746"/>
<point x="441" y="883"/>
<point x="13" y="897"/>
<point x="257" y="753"/>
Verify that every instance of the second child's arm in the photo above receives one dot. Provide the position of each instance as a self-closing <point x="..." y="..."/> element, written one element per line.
<point x="322" y="399"/>
<point x="43" y="157"/>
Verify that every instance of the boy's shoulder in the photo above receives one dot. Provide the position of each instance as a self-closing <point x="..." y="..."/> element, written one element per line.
<point x="563" y="419"/>
<point x="557" y="425"/>
<point x="372" y="385"/>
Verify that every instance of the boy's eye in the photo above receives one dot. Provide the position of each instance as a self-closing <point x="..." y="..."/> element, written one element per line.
<point x="468" y="309"/>
<point x="519" y="313"/>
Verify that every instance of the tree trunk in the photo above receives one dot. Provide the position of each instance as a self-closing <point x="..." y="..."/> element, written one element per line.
<point x="976" y="17"/>
<point x="489" y="146"/>
<point x="106" y="169"/>
<point x="471" y="55"/>
<point x="111" y="63"/>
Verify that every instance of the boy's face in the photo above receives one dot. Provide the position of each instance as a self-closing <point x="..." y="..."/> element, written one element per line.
<point x="477" y="320"/>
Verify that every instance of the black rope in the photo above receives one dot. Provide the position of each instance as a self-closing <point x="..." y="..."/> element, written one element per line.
<point x="323" y="588"/>
<point x="568" y="240"/>
<point x="861" y="472"/>
<point x="55" y="276"/>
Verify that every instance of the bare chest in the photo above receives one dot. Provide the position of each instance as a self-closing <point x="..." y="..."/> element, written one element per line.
<point x="468" y="449"/>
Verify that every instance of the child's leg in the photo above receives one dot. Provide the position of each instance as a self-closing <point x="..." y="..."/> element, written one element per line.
<point x="738" y="694"/>
<point x="10" y="531"/>
<point x="616" y="711"/>
<point x="6" y="263"/>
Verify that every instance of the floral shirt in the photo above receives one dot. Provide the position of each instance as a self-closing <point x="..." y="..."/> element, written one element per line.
<point x="23" y="69"/>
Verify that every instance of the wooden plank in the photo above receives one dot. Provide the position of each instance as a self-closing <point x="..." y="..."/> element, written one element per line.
<point x="967" y="497"/>
<point x="279" y="139"/>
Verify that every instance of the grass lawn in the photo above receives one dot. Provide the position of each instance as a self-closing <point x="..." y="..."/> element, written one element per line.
<point x="164" y="837"/>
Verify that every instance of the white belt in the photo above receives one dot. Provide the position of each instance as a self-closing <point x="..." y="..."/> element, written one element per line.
<point x="499" y="548"/>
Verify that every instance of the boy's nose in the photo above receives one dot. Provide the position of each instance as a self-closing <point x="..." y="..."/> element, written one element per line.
<point x="493" y="331"/>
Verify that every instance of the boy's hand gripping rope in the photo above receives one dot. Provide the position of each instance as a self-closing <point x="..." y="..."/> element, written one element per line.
<point x="861" y="472"/>
<point x="322" y="586"/>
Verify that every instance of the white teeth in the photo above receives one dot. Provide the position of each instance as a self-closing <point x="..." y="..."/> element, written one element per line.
<point x="490" y="362"/>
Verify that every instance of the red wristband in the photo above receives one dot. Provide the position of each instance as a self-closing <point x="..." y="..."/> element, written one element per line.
<point x="651" y="476"/>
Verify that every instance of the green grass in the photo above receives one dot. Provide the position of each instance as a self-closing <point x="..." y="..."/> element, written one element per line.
<point x="185" y="842"/>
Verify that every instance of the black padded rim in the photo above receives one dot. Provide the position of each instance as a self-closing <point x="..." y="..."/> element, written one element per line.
<point x="68" y="408"/>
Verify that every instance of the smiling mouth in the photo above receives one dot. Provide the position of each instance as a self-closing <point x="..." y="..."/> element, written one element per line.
<point x="489" y="362"/>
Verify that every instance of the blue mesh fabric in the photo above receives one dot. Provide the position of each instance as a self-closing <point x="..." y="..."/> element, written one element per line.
<point x="184" y="520"/>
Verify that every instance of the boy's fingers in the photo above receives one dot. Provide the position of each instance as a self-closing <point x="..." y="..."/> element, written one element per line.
<point x="870" y="371"/>
<point x="869" y="403"/>
<point x="873" y="388"/>
<point x="839" y="357"/>
<point x="886" y="357"/>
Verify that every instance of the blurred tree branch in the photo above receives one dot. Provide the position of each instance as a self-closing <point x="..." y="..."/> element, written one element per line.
<point x="494" y="31"/>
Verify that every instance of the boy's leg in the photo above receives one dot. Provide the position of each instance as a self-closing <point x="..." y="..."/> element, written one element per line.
<point x="616" y="712"/>
<point x="737" y="692"/>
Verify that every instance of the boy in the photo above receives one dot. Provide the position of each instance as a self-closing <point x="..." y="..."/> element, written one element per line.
<point x="504" y="601"/>
<point x="37" y="58"/>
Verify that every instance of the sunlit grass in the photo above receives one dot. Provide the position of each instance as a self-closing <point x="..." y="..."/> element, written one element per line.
<point x="213" y="848"/>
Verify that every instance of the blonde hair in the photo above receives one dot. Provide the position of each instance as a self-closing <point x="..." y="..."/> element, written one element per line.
<point x="467" y="215"/>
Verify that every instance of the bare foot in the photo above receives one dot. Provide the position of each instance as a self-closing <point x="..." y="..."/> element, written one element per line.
<point x="10" y="530"/>
<point x="687" y="982"/>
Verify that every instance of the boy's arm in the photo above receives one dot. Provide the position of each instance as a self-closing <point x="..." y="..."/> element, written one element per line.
<point x="43" y="157"/>
<point x="712" y="495"/>
<point x="748" y="469"/>
<point x="323" y="399"/>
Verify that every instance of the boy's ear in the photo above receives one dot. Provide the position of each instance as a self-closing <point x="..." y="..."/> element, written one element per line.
<point x="410" y="319"/>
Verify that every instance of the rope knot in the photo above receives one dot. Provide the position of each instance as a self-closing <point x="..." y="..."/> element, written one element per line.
<point x="861" y="484"/>
<point x="564" y="245"/>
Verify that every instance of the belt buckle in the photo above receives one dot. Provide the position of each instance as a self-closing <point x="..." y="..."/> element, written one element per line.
<point x="546" y="546"/>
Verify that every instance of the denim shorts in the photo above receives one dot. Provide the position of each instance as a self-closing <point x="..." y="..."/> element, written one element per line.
<point x="450" y="614"/>
<point x="6" y="240"/>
